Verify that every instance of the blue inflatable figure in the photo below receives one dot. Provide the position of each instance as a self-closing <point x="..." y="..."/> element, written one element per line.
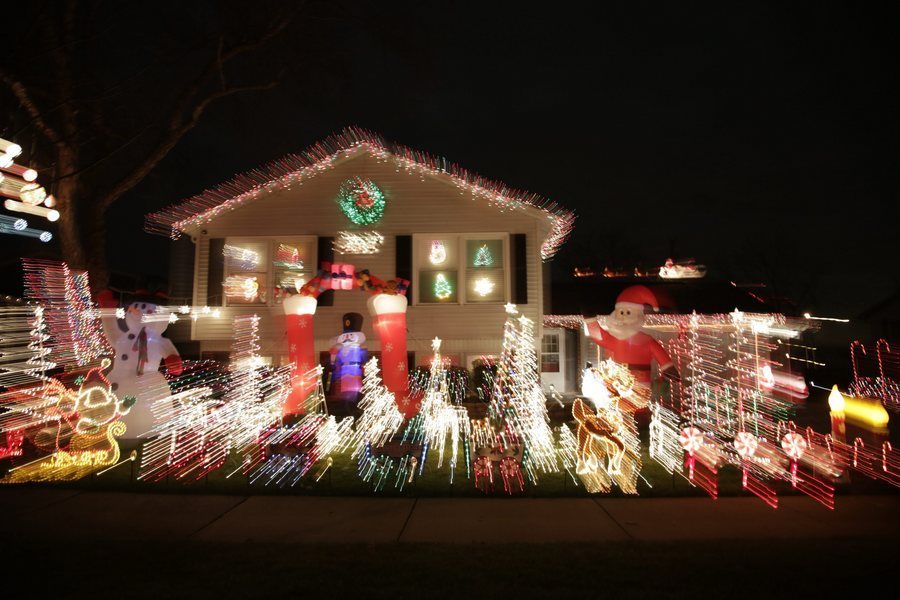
<point x="348" y="355"/>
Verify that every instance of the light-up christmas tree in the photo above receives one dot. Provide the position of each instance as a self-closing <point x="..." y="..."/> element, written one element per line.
<point x="518" y="406"/>
<point x="442" y="287"/>
<point x="483" y="257"/>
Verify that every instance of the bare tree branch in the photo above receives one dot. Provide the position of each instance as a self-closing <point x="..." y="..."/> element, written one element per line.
<point x="106" y="156"/>
<point x="24" y="98"/>
<point x="176" y="132"/>
<point x="188" y="109"/>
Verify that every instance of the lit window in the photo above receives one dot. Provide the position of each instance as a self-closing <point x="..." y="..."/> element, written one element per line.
<point x="265" y="270"/>
<point x="485" y="277"/>
<point x="438" y="274"/>
<point x="293" y="264"/>
<point x="460" y="268"/>
<point x="246" y="272"/>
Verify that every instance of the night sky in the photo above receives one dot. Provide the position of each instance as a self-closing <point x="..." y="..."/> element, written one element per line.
<point x="760" y="140"/>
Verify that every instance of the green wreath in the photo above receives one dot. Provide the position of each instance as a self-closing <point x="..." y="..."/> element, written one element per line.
<point x="361" y="200"/>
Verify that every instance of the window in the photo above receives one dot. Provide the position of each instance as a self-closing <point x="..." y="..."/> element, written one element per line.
<point x="550" y="353"/>
<point x="456" y="269"/>
<point x="485" y="276"/>
<point x="261" y="271"/>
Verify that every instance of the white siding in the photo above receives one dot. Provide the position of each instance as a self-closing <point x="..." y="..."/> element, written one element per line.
<point x="415" y="204"/>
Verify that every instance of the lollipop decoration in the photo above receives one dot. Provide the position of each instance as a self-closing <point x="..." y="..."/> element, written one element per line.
<point x="691" y="439"/>
<point x="746" y="444"/>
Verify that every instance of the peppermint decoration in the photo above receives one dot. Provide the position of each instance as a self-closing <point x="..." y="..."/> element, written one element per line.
<point x="746" y="444"/>
<point x="690" y="439"/>
<point x="794" y="445"/>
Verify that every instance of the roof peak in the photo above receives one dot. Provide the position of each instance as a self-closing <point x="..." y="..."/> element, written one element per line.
<point x="278" y="174"/>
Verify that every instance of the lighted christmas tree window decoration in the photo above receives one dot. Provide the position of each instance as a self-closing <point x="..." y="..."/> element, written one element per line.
<point x="438" y="252"/>
<point x="483" y="257"/>
<point x="442" y="287"/>
<point x="361" y="200"/>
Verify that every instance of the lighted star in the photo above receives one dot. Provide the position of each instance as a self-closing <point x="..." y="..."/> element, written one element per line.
<point x="120" y="313"/>
<point x="484" y="286"/>
<point x="436" y="344"/>
<point x="172" y="317"/>
<point x="511" y="309"/>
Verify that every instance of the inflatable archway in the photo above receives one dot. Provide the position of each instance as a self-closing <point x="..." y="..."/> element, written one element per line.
<point x="387" y="305"/>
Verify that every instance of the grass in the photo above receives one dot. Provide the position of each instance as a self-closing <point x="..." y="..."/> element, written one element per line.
<point x="342" y="480"/>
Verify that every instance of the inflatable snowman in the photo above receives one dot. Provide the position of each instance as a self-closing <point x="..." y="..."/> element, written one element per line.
<point x="135" y="333"/>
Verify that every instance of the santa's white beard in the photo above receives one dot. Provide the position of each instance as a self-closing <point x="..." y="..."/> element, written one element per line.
<point x="622" y="331"/>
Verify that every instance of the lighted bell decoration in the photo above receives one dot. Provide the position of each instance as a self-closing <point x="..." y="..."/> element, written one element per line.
<point x="389" y="312"/>
<point x="299" y="312"/>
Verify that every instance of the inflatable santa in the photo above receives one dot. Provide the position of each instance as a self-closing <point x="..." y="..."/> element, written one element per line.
<point x="135" y="332"/>
<point x="623" y="340"/>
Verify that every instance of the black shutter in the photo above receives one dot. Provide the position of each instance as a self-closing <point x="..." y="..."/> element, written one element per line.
<point x="403" y="266"/>
<point x="215" y="280"/>
<point x="519" y="269"/>
<point x="325" y="253"/>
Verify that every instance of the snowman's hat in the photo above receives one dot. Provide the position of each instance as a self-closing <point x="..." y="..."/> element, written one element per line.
<point x="146" y="296"/>
<point x="637" y="297"/>
<point x="352" y="322"/>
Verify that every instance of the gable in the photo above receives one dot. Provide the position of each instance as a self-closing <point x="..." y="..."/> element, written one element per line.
<point x="413" y="204"/>
<point x="398" y="167"/>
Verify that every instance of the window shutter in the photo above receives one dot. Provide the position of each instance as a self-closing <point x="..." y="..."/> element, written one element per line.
<point x="325" y="253"/>
<point x="519" y="269"/>
<point x="215" y="280"/>
<point x="403" y="265"/>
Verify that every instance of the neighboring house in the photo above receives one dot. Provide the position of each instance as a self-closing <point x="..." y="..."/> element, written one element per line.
<point x="279" y="223"/>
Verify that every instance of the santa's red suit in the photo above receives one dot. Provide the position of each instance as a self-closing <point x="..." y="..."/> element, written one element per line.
<point x="636" y="352"/>
<point x="635" y="349"/>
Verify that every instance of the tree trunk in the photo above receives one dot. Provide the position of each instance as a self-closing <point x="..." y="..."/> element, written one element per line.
<point x="66" y="194"/>
<point x="93" y="231"/>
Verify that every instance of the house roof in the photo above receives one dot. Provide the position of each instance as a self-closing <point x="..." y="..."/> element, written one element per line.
<point x="279" y="174"/>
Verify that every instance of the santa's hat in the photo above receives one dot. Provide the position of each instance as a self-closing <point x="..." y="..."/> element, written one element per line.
<point x="637" y="296"/>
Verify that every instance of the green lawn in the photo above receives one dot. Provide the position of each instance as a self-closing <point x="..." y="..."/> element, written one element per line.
<point x="342" y="480"/>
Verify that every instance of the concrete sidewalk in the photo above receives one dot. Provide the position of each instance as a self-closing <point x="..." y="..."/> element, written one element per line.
<point x="69" y="515"/>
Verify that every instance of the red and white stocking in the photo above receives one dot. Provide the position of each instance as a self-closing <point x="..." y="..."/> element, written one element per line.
<point x="389" y="312"/>
<point x="299" y="312"/>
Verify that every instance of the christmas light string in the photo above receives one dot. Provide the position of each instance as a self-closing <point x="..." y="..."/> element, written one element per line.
<point x="358" y="242"/>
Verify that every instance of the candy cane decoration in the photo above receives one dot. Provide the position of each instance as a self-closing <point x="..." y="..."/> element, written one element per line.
<point x="885" y="449"/>
<point x="882" y="342"/>
<point x="853" y="345"/>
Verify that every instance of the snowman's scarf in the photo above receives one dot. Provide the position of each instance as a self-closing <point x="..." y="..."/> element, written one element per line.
<point x="140" y="346"/>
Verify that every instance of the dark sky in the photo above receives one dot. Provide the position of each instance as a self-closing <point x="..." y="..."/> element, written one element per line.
<point x="760" y="140"/>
